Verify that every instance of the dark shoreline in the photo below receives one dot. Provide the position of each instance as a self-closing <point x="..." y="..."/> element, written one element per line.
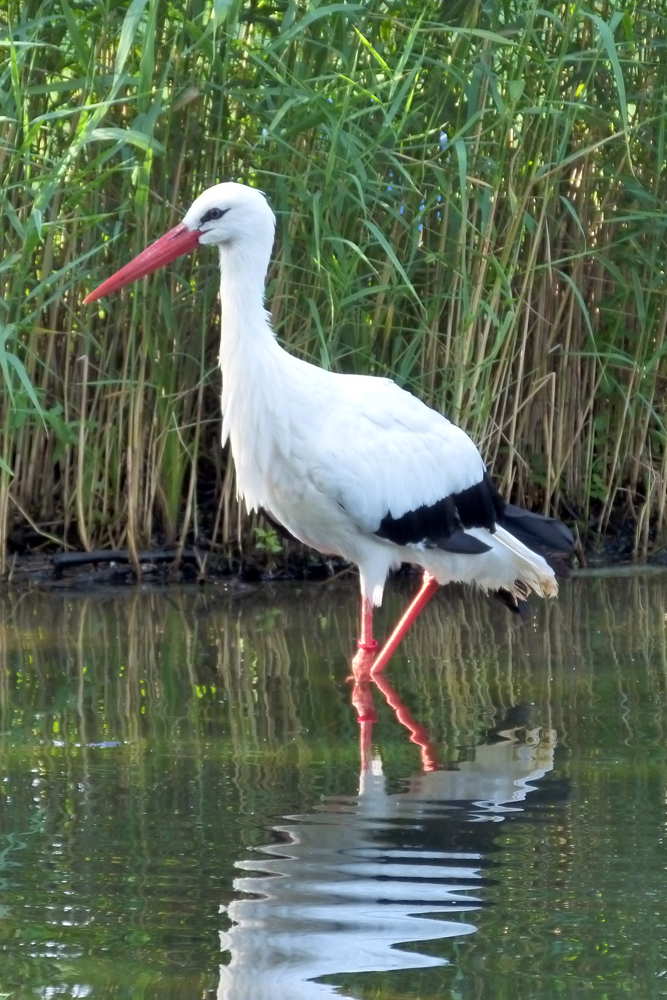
<point x="163" y="567"/>
<point x="167" y="566"/>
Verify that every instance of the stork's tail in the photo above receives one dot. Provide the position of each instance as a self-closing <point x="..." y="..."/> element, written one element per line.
<point x="545" y="535"/>
<point x="532" y="570"/>
<point x="541" y="545"/>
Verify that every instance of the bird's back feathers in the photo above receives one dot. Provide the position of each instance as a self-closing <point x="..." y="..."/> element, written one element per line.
<point x="383" y="453"/>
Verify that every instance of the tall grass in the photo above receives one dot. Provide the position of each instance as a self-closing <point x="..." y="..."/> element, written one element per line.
<point x="470" y="197"/>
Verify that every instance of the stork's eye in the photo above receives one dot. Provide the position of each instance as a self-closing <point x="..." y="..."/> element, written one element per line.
<point x="212" y="215"/>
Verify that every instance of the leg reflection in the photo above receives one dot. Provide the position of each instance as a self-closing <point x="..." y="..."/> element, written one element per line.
<point x="363" y="675"/>
<point x="418" y="734"/>
<point x="362" y="699"/>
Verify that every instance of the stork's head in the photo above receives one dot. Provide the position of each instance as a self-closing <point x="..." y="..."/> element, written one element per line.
<point x="232" y="216"/>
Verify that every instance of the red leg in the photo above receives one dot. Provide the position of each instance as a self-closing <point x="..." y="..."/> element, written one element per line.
<point x="362" y="698"/>
<point x="428" y="589"/>
<point x="366" y="641"/>
<point x="365" y="669"/>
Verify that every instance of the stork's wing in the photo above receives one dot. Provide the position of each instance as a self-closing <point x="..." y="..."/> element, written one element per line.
<point x="399" y="468"/>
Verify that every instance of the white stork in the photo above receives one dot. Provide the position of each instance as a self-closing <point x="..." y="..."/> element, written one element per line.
<point x="351" y="465"/>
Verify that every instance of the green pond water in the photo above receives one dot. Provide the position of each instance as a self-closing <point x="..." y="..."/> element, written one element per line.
<point x="184" y="812"/>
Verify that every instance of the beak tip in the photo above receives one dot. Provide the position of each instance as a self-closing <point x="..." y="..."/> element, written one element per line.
<point x="170" y="246"/>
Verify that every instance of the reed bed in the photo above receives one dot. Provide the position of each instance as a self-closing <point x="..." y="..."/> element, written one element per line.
<point x="469" y="197"/>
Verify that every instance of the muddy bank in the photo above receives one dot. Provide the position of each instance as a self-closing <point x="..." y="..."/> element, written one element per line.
<point x="65" y="570"/>
<point x="56" y="570"/>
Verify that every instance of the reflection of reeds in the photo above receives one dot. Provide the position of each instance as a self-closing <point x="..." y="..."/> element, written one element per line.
<point x="233" y="710"/>
<point x="269" y="672"/>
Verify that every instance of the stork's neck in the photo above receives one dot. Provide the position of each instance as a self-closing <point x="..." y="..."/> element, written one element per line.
<point x="246" y="336"/>
<point x="256" y="374"/>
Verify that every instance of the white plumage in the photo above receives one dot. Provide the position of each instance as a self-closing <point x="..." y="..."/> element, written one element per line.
<point x="333" y="457"/>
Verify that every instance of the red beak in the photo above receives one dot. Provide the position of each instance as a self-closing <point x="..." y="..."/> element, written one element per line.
<point x="173" y="244"/>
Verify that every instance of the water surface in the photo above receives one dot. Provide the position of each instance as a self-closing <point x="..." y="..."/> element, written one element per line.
<point x="186" y="809"/>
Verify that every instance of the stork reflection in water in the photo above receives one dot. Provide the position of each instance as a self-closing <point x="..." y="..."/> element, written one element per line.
<point x="350" y="882"/>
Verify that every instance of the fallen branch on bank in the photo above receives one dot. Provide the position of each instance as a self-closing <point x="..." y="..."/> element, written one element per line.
<point x="65" y="560"/>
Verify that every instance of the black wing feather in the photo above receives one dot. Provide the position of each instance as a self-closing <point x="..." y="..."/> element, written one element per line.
<point x="442" y="524"/>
